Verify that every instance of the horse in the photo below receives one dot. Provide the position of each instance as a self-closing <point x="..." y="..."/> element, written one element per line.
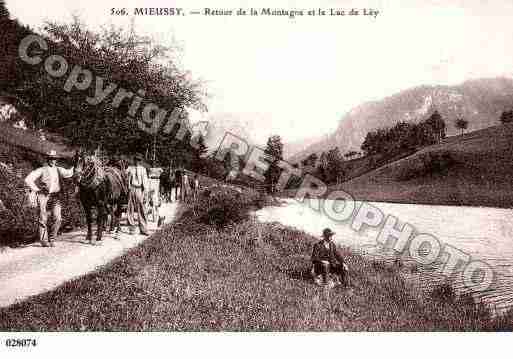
<point x="102" y="187"/>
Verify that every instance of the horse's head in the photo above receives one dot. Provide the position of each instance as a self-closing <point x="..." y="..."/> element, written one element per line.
<point x="88" y="170"/>
<point x="80" y="160"/>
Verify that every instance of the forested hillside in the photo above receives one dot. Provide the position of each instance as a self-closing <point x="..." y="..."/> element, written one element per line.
<point x="112" y="62"/>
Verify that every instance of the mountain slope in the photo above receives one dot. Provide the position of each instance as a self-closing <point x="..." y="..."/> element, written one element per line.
<point x="291" y="148"/>
<point x="231" y="124"/>
<point x="479" y="101"/>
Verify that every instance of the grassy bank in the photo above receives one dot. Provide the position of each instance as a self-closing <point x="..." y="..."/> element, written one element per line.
<point x="467" y="170"/>
<point x="227" y="272"/>
<point x="472" y="169"/>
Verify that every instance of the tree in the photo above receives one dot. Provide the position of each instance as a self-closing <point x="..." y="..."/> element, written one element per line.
<point x="119" y="56"/>
<point x="214" y="168"/>
<point x="200" y="153"/>
<point x="461" y="124"/>
<point x="310" y="161"/>
<point x="230" y="165"/>
<point x="438" y="126"/>
<point x="335" y="165"/>
<point x="403" y="137"/>
<point x="3" y="9"/>
<point x="351" y="154"/>
<point x="274" y="152"/>
<point x="322" y="169"/>
<point x="13" y="70"/>
<point x="201" y="147"/>
<point x="506" y="117"/>
<point x="423" y="134"/>
<point x="376" y="141"/>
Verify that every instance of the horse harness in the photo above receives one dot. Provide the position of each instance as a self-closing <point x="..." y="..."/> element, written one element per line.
<point x="93" y="173"/>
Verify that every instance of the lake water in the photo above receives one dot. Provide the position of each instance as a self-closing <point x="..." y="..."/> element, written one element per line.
<point x="483" y="233"/>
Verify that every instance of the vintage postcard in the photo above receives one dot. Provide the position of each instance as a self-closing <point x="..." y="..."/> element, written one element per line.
<point x="300" y="168"/>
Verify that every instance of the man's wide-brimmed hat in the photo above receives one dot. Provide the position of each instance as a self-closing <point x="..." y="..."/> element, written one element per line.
<point x="327" y="232"/>
<point x="52" y="154"/>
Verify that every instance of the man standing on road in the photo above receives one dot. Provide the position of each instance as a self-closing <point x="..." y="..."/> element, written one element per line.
<point x="48" y="194"/>
<point x="326" y="258"/>
<point x="195" y="187"/>
<point x="178" y="184"/>
<point x="137" y="188"/>
<point x="170" y="184"/>
<point x="185" y="186"/>
<point x="154" y="192"/>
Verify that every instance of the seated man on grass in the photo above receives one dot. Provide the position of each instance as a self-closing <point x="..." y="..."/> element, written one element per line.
<point x="327" y="260"/>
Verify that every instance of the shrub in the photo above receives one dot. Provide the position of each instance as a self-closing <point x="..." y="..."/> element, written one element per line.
<point x="426" y="164"/>
<point x="17" y="222"/>
<point x="223" y="205"/>
<point x="439" y="162"/>
<point x="443" y="293"/>
<point x="506" y="117"/>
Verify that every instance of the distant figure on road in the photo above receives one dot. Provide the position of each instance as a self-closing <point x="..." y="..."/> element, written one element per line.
<point x="154" y="192"/>
<point x="138" y="188"/>
<point x="195" y="187"/>
<point x="178" y="184"/>
<point x="168" y="184"/>
<point x="186" y="189"/>
<point x="327" y="260"/>
<point x="48" y="194"/>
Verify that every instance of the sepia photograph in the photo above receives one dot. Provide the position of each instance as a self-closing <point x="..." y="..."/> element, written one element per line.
<point x="230" y="167"/>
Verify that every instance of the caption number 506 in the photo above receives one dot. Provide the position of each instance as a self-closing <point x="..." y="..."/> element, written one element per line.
<point x="118" y="11"/>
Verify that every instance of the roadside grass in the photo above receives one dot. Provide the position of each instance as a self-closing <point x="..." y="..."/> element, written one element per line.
<point x="239" y="275"/>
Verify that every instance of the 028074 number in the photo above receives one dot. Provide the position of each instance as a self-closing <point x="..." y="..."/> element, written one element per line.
<point x="20" y="343"/>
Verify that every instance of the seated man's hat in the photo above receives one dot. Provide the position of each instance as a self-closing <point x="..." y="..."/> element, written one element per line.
<point x="327" y="232"/>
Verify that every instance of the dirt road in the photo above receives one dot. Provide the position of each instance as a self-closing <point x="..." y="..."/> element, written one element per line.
<point x="33" y="269"/>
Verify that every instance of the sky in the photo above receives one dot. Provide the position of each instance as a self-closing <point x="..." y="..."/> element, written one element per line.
<point x="298" y="77"/>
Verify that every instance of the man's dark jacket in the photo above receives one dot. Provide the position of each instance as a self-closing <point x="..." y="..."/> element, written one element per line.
<point x="331" y="254"/>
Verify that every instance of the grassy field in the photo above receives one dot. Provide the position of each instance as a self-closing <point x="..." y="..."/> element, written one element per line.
<point x="474" y="169"/>
<point x="234" y="274"/>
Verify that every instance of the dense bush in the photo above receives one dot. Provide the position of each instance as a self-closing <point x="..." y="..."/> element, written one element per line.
<point x="439" y="162"/>
<point x="17" y="222"/>
<point x="443" y="293"/>
<point x="425" y="164"/>
<point x="222" y="205"/>
<point x="506" y="117"/>
<point x="404" y="137"/>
